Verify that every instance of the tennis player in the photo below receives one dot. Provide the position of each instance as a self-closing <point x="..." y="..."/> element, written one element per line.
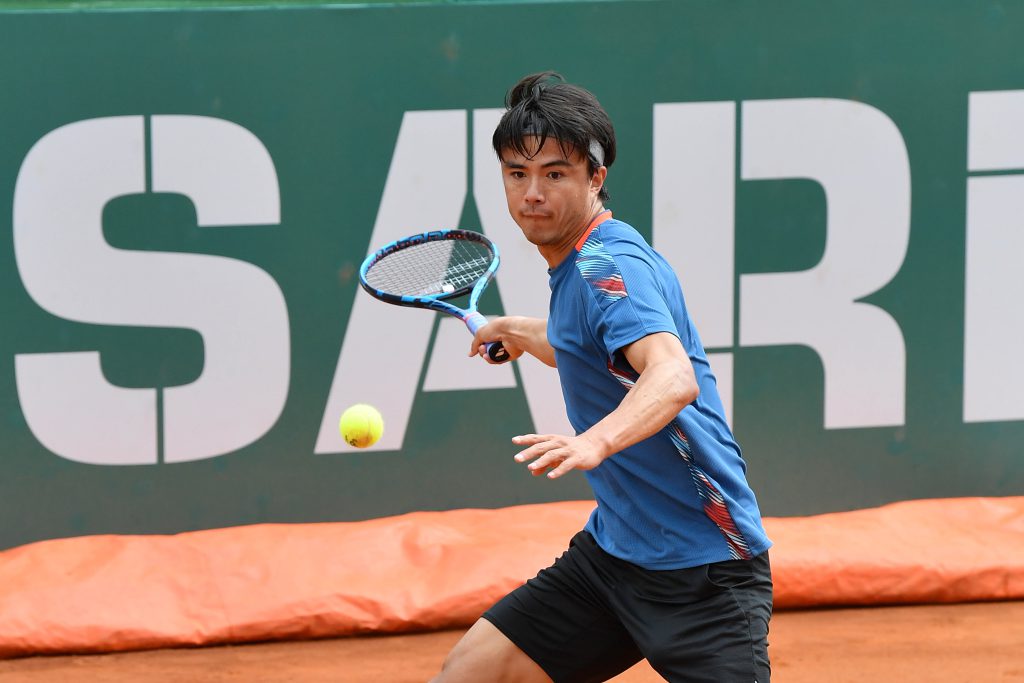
<point x="672" y="564"/>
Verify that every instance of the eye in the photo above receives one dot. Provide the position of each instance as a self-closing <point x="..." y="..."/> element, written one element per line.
<point x="517" y="174"/>
<point x="556" y="175"/>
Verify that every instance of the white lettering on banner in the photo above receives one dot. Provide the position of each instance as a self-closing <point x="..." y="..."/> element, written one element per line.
<point x="853" y="151"/>
<point x="63" y="184"/>
<point x="993" y="279"/>
<point x="70" y="271"/>
<point x="694" y="190"/>
<point x="857" y="155"/>
<point x="240" y="310"/>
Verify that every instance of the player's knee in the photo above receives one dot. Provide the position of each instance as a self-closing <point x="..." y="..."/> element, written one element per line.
<point x="485" y="654"/>
<point x="453" y="663"/>
<point x="467" y="668"/>
<point x="442" y="676"/>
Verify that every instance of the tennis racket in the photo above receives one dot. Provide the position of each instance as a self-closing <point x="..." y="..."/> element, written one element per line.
<point x="429" y="269"/>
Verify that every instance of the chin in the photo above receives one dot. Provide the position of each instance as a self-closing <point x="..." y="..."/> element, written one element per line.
<point x="534" y="234"/>
<point x="536" y="221"/>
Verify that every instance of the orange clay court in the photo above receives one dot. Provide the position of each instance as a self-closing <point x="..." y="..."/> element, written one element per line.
<point x="925" y="590"/>
<point x="981" y="642"/>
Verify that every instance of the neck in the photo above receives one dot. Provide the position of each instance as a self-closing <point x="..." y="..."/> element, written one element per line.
<point x="556" y="253"/>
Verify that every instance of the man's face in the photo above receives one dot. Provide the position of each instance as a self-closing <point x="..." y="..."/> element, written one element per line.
<point x="551" y="197"/>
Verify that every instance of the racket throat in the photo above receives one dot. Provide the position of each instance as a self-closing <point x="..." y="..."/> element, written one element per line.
<point x="474" y="321"/>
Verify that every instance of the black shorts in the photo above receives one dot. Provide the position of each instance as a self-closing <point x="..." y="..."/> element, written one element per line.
<point x="591" y="616"/>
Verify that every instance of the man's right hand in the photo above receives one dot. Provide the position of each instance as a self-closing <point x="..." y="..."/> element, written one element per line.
<point x="497" y="329"/>
<point x="518" y="335"/>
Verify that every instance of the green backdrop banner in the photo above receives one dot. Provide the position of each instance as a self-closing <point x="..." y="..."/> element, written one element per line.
<point x="188" y="195"/>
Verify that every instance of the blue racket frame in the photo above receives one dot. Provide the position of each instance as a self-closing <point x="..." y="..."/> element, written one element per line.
<point x="439" y="302"/>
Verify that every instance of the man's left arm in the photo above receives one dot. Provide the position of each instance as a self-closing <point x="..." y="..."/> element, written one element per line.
<point x="666" y="384"/>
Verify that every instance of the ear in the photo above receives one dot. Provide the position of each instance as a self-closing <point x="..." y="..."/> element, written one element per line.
<point x="597" y="180"/>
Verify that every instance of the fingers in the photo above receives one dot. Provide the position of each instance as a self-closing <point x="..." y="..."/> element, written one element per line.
<point x="481" y="337"/>
<point x="555" y="455"/>
<point x="548" y="452"/>
<point x="538" y="446"/>
<point x="478" y="347"/>
<point x="484" y="335"/>
<point x="531" y="439"/>
<point x="482" y="352"/>
<point x="554" y="463"/>
<point x="496" y="330"/>
<point x="566" y="465"/>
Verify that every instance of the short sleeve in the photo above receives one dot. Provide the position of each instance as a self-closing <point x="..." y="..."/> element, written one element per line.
<point x="626" y="301"/>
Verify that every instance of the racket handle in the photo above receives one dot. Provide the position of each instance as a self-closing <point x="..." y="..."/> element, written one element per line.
<point x="495" y="350"/>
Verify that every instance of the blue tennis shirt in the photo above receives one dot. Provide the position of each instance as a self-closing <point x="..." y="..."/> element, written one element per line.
<point x="679" y="498"/>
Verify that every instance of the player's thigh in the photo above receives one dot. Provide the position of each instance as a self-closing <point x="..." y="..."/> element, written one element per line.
<point x="485" y="654"/>
<point x="707" y="624"/>
<point x="563" y="621"/>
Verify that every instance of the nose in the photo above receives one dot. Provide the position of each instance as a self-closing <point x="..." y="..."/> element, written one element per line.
<point x="533" y="193"/>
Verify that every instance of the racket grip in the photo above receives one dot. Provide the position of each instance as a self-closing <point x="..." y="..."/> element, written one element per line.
<point x="495" y="350"/>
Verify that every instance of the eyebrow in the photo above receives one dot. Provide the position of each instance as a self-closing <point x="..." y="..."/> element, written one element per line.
<point x="549" y="164"/>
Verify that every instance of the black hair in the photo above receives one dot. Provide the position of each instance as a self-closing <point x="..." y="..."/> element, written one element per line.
<point x="544" y="105"/>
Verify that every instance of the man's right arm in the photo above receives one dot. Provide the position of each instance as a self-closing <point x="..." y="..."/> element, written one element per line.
<point x="519" y="335"/>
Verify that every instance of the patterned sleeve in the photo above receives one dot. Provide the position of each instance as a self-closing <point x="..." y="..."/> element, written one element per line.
<point x="626" y="302"/>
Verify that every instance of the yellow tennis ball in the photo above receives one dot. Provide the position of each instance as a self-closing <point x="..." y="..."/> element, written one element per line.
<point x="361" y="425"/>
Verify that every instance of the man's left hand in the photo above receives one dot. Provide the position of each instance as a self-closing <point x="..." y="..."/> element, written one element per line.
<point x="556" y="454"/>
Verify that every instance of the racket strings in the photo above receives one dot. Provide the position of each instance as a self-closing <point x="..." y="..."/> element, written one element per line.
<point x="431" y="268"/>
